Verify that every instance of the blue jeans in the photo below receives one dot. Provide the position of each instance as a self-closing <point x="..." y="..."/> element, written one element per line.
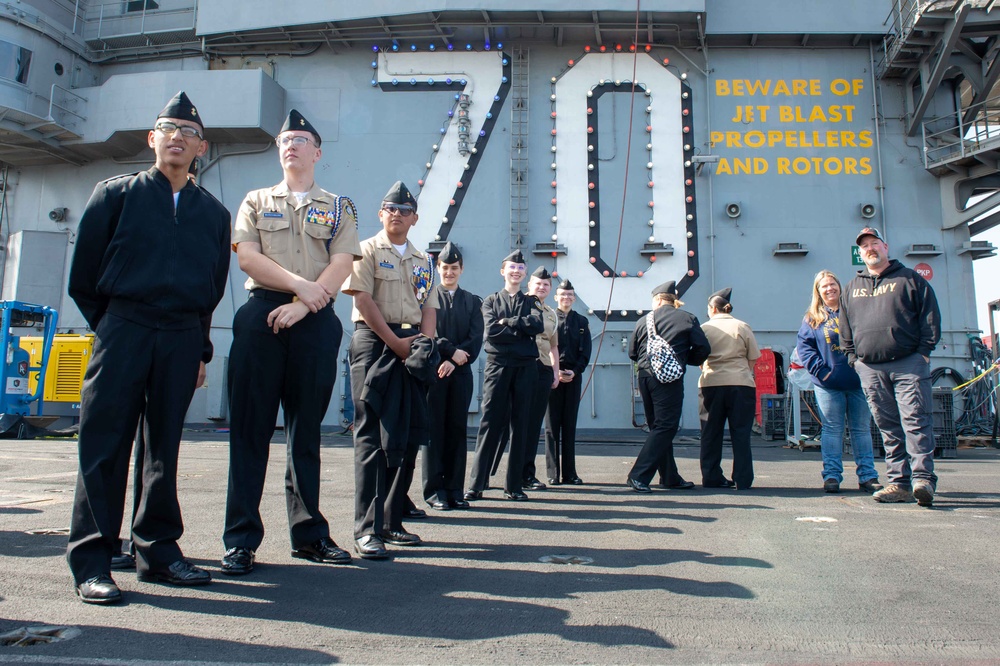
<point x="833" y="406"/>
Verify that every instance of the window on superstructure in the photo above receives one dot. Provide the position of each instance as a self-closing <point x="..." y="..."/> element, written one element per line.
<point x="14" y="62"/>
<point x="141" y="5"/>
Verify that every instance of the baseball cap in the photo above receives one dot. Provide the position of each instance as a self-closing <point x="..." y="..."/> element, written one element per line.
<point x="868" y="231"/>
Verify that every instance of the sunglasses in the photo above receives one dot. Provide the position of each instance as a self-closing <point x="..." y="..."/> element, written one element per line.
<point x="404" y="210"/>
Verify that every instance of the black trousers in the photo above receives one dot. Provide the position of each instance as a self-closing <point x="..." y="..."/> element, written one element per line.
<point x="295" y="368"/>
<point x="662" y="404"/>
<point x="536" y="416"/>
<point x="447" y="449"/>
<point x="507" y="395"/>
<point x="560" y="430"/>
<point x="132" y="366"/>
<point x="717" y="405"/>
<point x="379" y="490"/>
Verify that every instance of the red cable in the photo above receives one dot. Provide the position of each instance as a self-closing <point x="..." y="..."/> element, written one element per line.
<point x="621" y="217"/>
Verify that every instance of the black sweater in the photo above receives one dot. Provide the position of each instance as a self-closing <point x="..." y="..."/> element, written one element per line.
<point x="140" y="259"/>
<point x="679" y="328"/>
<point x="889" y="316"/>
<point x="511" y="323"/>
<point x="459" y="326"/>
<point x="574" y="341"/>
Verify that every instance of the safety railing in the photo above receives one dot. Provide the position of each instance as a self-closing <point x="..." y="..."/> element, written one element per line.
<point x="963" y="133"/>
<point x="125" y="18"/>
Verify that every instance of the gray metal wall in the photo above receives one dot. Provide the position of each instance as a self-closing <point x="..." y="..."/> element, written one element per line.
<point x="378" y="137"/>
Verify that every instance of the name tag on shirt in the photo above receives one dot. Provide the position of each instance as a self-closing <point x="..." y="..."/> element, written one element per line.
<point x="274" y="214"/>
<point x="385" y="264"/>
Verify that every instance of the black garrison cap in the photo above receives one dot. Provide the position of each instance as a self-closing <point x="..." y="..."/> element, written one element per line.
<point x="566" y="285"/>
<point x="541" y="273"/>
<point x="724" y="294"/>
<point x="399" y="194"/>
<point x="180" y="107"/>
<point x="669" y="287"/>
<point x="298" y="123"/>
<point x="450" y="254"/>
<point x="515" y="257"/>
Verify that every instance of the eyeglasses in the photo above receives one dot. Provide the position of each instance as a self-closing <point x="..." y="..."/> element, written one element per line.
<point x="297" y="141"/>
<point x="404" y="210"/>
<point x="170" y="128"/>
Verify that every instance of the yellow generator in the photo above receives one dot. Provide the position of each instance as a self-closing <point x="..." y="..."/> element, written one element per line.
<point x="64" y="378"/>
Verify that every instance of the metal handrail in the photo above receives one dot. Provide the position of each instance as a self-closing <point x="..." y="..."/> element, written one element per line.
<point x="116" y="14"/>
<point x="960" y="138"/>
<point x="52" y="102"/>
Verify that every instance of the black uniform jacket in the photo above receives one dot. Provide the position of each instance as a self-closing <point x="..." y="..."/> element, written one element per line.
<point x="395" y="389"/>
<point x="678" y="327"/>
<point x="459" y="326"/>
<point x="511" y="323"/>
<point x="139" y="258"/>
<point x="574" y="341"/>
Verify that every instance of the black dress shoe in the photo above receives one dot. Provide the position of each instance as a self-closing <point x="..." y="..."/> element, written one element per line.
<point x="400" y="538"/>
<point x="99" y="590"/>
<point x="725" y="483"/>
<point x="683" y="485"/>
<point x="459" y="504"/>
<point x="323" y="550"/>
<point x="370" y="547"/>
<point x="638" y="486"/>
<point x="414" y="513"/>
<point x="438" y="505"/>
<point x="516" y="496"/>
<point x="473" y="495"/>
<point x="122" y="562"/>
<point x="180" y="572"/>
<point x="576" y="481"/>
<point x="533" y="484"/>
<point x="553" y="482"/>
<point x="237" y="561"/>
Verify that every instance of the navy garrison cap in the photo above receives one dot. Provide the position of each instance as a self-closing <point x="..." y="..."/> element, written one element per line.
<point x="541" y="273"/>
<point x="399" y="194"/>
<point x="181" y="108"/>
<point x="515" y="257"/>
<point x="669" y="287"/>
<point x="724" y="294"/>
<point x="296" y="122"/>
<point x="450" y="254"/>
<point x="566" y="285"/>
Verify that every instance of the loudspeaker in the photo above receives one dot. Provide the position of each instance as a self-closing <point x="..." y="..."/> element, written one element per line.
<point x="868" y="211"/>
<point x="733" y="210"/>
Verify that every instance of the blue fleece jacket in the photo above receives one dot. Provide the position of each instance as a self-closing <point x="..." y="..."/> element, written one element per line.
<point x="819" y="351"/>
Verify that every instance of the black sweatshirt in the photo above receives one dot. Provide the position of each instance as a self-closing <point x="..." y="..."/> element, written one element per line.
<point x="889" y="316"/>
<point x="140" y="259"/>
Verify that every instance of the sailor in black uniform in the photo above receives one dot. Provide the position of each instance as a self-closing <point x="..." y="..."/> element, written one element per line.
<point x="460" y="339"/>
<point x="662" y="402"/>
<point x="512" y="320"/>
<point x="150" y="265"/>
<point x="564" y="401"/>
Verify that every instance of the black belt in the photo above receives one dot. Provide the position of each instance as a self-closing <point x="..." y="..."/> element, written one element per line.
<point x="395" y="328"/>
<point x="271" y="295"/>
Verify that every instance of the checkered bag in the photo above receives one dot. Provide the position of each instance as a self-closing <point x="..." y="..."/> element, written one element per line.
<point x="661" y="355"/>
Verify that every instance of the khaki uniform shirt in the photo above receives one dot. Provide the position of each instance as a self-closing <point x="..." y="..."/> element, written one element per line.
<point x="734" y="351"/>
<point x="549" y="337"/>
<point x="400" y="285"/>
<point x="299" y="237"/>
